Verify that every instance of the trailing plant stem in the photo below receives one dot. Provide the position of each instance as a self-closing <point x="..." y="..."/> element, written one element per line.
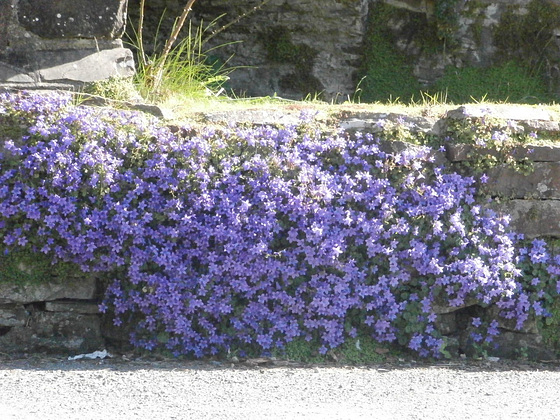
<point x="169" y="44"/>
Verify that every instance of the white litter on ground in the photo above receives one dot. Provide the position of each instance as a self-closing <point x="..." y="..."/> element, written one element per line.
<point x="95" y="355"/>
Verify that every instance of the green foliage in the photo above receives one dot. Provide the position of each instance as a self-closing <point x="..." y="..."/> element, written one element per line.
<point x="187" y="70"/>
<point x="529" y="37"/>
<point x="281" y="49"/>
<point x="447" y="19"/>
<point x="27" y="267"/>
<point x="301" y="350"/>
<point x="361" y="350"/>
<point x="12" y="126"/>
<point x="550" y="326"/>
<point x="388" y="75"/>
<point x="118" y="88"/>
<point x="508" y="82"/>
<point x="527" y="34"/>
<point x="494" y="142"/>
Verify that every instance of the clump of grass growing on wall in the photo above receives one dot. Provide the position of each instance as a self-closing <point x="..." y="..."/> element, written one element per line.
<point x="182" y="66"/>
<point x="185" y="65"/>
<point x="186" y="70"/>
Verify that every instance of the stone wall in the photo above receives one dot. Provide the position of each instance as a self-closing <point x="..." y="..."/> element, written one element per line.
<point x="297" y="47"/>
<point x="45" y="43"/>
<point x="287" y="47"/>
<point x="59" y="316"/>
<point x="292" y="48"/>
<point x="476" y="33"/>
<point x="62" y="316"/>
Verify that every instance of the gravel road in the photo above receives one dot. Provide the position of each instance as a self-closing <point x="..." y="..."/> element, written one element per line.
<point x="51" y="388"/>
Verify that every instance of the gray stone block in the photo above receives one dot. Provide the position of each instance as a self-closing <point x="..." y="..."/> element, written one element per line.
<point x="73" y="18"/>
<point x="501" y="112"/>
<point x="72" y="306"/>
<point x="82" y="289"/>
<point x="533" y="218"/>
<point x="55" y="332"/>
<point x="529" y="327"/>
<point x="446" y="323"/>
<point x="11" y="74"/>
<point x="533" y="152"/>
<point x="542" y="183"/>
<point x="374" y="122"/>
<point x="96" y="66"/>
<point x="13" y="315"/>
<point x="259" y="116"/>
<point x="515" y="344"/>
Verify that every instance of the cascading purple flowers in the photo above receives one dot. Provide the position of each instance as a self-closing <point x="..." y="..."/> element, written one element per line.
<point x="242" y="237"/>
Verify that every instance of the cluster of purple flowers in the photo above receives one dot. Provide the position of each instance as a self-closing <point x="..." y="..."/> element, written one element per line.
<point x="242" y="237"/>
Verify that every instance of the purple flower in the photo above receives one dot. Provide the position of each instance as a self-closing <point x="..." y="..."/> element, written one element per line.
<point x="243" y="237"/>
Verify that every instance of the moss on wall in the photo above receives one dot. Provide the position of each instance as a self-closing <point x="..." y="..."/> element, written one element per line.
<point x="27" y="267"/>
<point x="281" y="49"/>
<point x="527" y="34"/>
<point x="528" y="37"/>
<point x="506" y="82"/>
<point x="387" y="73"/>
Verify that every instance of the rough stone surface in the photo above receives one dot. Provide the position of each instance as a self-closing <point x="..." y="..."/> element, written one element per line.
<point x="510" y="344"/>
<point x="543" y="182"/>
<point x="375" y="122"/>
<point x="291" y="47"/>
<point x="55" y="332"/>
<point x="65" y="42"/>
<point x="533" y="218"/>
<point x="79" y="307"/>
<point x="82" y="288"/>
<point x="519" y="118"/>
<point x="533" y="152"/>
<point x="13" y="315"/>
<point x="446" y="323"/>
<point x="15" y="75"/>
<point x="95" y="66"/>
<point x="500" y="112"/>
<point x="529" y="327"/>
<point x="73" y="18"/>
<point x="258" y="116"/>
<point x="322" y="41"/>
<point x="440" y="306"/>
<point x="118" y="336"/>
